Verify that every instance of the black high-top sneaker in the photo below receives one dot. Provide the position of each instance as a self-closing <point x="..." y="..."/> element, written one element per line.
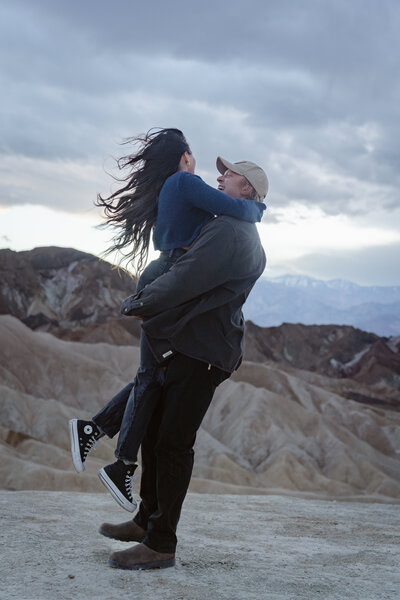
<point x="84" y="436"/>
<point x="118" y="479"/>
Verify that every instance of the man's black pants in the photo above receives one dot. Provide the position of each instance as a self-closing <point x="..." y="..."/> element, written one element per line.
<point x="167" y="448"/>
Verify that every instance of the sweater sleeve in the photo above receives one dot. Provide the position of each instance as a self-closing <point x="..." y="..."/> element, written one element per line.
<point x="203" y="196"/>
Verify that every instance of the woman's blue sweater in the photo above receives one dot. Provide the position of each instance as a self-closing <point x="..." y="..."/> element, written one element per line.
<point x="186" y="203"/>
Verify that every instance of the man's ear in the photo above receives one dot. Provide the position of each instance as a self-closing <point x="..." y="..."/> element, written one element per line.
<point x="247" y="188"/>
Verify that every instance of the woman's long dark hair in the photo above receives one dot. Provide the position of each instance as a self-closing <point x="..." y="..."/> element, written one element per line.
<point x="132" y="209"/>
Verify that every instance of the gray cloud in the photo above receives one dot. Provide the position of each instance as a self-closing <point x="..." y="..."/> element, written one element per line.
<point x="379" y="264"/>
<point x="339" y="39"/>
<point x="308" y="89"/>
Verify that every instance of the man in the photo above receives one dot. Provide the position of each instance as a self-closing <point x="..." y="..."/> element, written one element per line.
<point x="193" y="321"/>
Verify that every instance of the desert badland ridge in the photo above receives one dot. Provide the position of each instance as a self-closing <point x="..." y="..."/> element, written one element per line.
<point x="312" y="411"/>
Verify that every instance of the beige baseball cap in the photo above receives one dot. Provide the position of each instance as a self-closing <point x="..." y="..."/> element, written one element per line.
<point x="253" y="173"/>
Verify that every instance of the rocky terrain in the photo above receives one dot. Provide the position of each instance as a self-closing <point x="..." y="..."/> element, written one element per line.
<point x="69" y="293"/>
<point x="76" y="296"/>
<point x="332" y="350"/>
<point x="269" y="429"/>
<point x="313" y="411"/>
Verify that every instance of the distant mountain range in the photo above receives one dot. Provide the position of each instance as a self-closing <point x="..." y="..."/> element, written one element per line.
<point x="302" y="299"/>
<point x="75" y="296"/>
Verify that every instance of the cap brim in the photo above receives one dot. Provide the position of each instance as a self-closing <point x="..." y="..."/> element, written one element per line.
<point x="223" y="165"/>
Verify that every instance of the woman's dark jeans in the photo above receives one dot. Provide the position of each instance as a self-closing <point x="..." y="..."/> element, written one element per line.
<point x="130" y="411"/>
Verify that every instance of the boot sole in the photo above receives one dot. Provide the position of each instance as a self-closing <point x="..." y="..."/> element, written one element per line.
<point x="161" y="564"/>
<point x="114" y="491"/>
<point x="115" y="537"/>
<point x="75" y="451"/>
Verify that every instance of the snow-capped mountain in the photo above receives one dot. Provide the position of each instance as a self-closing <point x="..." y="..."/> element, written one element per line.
<point x="302" y="299"/>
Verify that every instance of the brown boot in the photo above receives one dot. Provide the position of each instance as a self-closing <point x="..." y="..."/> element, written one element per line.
<point x="124" y="532"/>
<point x="141" y="557"/>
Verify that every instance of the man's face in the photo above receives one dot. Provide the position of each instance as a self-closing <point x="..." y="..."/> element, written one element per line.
<point x="233" y="184"/>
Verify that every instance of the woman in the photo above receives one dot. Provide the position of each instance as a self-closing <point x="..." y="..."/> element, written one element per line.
<point x="161" y="194"/>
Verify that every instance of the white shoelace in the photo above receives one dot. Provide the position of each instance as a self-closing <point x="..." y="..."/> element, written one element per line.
<point x="90" y="445"/>
<point x="129" y="479"/>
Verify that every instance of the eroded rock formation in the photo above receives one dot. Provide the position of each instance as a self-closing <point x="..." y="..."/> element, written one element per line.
<point x="269" y="429"/>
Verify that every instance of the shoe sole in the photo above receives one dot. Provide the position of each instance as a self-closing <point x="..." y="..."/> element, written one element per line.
<point x="114" y="491"/>
<point x="161" y="564"/>
<point x="75" y="451"/>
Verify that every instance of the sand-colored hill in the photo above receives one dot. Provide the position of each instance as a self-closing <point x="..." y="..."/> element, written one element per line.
<point x="269" y="430"/>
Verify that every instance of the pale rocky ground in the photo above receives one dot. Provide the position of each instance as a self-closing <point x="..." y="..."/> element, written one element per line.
<point x="230" y="548"/>
<point x="269" y="430"/>
<point x="316" y="476"/>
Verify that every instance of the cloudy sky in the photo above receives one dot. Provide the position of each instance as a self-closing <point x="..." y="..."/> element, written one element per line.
<point x="309" y="89"/>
